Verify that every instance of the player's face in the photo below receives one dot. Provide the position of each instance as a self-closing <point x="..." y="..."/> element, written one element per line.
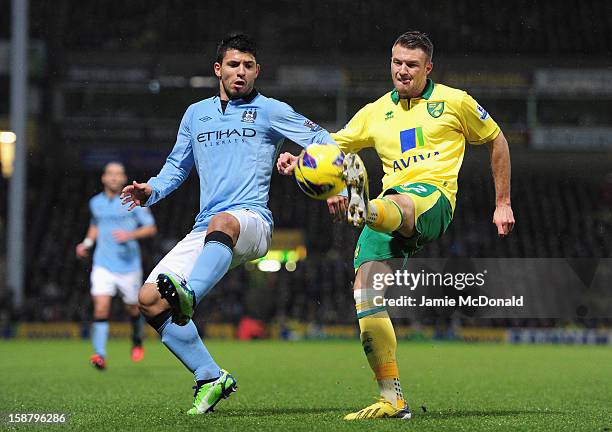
<point x="237" y="74"/>
<point x="409" y="70"/>
<point x="114" y="177"/>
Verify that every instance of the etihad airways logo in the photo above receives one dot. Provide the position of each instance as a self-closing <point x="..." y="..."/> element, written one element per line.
<point x="226" y="136"/>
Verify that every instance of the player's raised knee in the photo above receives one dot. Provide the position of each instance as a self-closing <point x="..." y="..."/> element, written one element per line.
<point x="149" y="300"/>
<point x="226" y="223"/>
<point x="406" y="205"/>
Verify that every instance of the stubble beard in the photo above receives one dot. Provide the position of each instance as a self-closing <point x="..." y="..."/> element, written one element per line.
<point x="235" y="95"/>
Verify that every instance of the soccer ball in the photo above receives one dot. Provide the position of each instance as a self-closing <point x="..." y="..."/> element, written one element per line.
<point x="319" y="171"/>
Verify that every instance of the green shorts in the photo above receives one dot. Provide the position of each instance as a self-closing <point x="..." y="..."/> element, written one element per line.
<point x="433" y="213"/>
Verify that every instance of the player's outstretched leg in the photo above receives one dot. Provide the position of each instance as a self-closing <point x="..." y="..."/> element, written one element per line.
<point x="380" y="214"/>
<point x="379" y="345"/>
<point x="356" y="178"/>
<point x="208" y="394"/>
<point x="177" y="330"/>
<point x="185" y="343"/>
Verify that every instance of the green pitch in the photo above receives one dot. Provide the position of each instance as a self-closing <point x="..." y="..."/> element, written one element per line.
<point x="309" y="386"/>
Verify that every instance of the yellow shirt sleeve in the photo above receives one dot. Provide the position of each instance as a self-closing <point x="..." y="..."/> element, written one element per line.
<point x="478" y="126"/>
<point x="355" y="135"/>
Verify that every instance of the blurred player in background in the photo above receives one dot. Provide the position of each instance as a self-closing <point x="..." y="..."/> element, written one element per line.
<point x="419" y="130"/>
<point x="116" y="259"/>
<point x="232" y="139"/>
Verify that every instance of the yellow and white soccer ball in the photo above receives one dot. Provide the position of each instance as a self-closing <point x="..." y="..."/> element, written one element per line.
<point x="319" y="171"/>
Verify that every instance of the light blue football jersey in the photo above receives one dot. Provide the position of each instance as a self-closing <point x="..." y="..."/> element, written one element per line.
<point x="234" y="153"/>
<point x="109" y="215"/>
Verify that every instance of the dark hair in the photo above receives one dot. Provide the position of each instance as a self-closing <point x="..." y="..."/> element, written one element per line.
<point x="238" y="41"/>
<point x="114" y="162"/>
<point x="416" y="39"/>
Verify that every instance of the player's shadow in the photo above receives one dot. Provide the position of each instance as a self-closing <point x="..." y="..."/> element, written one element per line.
<point x="285" y="411"/>
<point x="497" y="413"/>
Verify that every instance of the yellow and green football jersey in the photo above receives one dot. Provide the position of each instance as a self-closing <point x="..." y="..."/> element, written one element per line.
<point x="420" y="139"/>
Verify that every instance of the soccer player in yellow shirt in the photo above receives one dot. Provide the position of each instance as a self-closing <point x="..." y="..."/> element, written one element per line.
<point x="419" y="131"/>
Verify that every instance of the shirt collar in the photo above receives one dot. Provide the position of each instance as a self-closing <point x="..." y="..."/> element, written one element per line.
<point x="427" y="91"/>
<point x="247" y="99"/>
<point x="110" y="198"/>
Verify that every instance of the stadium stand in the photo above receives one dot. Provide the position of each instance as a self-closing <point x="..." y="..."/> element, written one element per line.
<point x="470" y="27"/>
<point x="574" y="227"/>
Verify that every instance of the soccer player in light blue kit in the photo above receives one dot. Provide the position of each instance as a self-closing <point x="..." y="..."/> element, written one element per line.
<point x="232" y="139"/>
<point x="116" y="260"/>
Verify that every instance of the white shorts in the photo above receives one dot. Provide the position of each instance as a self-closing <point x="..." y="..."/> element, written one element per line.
<point x="253" y="242"/>
<point x="105" y="282"/>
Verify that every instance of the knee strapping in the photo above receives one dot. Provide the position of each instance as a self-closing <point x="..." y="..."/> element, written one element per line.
<point x="219" y="237"/>
<point x="159" y="320"/>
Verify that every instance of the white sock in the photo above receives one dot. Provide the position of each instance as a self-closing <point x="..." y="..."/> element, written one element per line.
<point x="372" y="213"/>
<point x="391" y="390"/>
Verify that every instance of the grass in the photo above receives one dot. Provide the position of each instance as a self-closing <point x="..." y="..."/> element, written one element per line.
<point x="309" y="386"/>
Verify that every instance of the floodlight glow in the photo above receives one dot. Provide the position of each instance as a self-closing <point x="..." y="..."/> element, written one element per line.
<point x="7" y="152"/>
<point x="7" y="137"/>
<point x="269" y="265"/>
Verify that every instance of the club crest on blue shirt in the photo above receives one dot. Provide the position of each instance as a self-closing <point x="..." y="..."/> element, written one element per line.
<point x="249" y="115"/>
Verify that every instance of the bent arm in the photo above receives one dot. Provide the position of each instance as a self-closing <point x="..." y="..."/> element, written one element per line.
<point x="82" y="249"/>
<point x="503" y="217"/>
<point x="355" y="136"/>
<point x="92" y="232"/>
<point x="500" y="166"/>
<point x="177" y="167"/>
<point x="290" y="124"/>
<point x="144" y="232"/>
